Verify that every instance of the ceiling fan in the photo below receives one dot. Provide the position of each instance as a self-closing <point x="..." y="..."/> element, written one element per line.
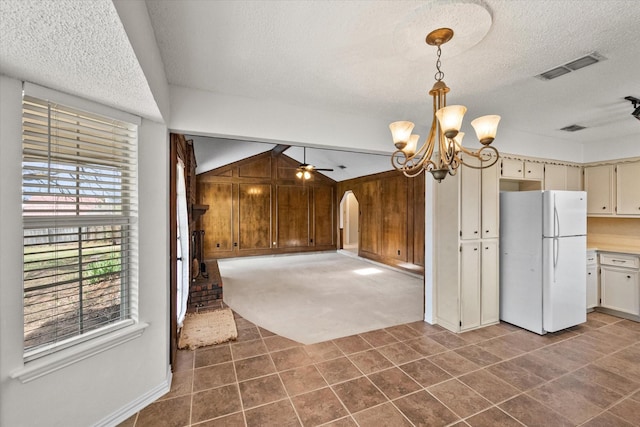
<point x="304" y="170"/>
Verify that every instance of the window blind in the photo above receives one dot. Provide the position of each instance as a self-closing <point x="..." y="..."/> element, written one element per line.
<point x="79" y="204"/>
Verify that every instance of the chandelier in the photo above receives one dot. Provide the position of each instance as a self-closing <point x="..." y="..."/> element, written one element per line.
<point x="442" y="151"/>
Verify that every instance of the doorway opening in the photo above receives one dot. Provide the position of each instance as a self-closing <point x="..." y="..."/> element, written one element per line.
<point x="350" y="222"/>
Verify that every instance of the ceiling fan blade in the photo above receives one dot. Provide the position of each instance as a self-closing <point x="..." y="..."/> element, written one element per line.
<point x="324" y="169"/>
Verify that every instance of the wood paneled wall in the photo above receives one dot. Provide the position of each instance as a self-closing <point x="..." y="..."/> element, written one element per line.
<point x="392" y="218"/>
<point x="258" y="207"/>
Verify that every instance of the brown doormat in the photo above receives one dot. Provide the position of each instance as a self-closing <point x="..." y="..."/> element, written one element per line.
<point x="212" y="327"/>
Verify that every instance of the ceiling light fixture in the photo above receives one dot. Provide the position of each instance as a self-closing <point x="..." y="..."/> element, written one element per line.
<point x="445" y="138"/>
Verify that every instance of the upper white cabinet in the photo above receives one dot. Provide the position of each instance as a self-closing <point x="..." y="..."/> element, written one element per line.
<point x="479" y="203"/>
<point x="562" y="177"/>
<point x="574" y="178"/>
<point x="628" y="188"/>
<point x="599" y="183"/>
<point x="555" y="177"/>
<point x="613" y="189"/>
<point x="521" y="169"/>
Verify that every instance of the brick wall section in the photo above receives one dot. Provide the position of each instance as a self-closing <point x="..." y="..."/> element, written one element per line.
<point x="206" y="291"/>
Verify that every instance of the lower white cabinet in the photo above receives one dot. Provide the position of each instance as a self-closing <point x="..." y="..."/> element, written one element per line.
<point x="479" y="299"/>
<point x="620" y="283"/>
<point x="593" y="291"/>
<point x="490" y="294"/>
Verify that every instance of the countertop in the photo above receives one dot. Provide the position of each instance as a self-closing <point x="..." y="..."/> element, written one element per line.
<point x="609" y="247"/>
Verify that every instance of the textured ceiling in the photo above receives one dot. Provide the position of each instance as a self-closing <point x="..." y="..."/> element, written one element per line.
<point x="78" y="47"/>
<point x="369" y="57"/>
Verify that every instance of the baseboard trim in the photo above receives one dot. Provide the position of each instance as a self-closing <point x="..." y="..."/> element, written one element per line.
<point x="138" y="404"/>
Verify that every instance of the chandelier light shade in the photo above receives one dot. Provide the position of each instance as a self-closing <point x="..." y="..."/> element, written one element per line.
<point x="442" y="152"/>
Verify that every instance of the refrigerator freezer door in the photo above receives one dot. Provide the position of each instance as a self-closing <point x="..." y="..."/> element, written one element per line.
<point x="564" y="213"/>
<point x="564" y="282"/>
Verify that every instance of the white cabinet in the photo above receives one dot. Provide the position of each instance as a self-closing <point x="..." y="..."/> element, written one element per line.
<point x="562" y="177"/>
<point x="470" y="286"/>
<point x="521" y="169"/>
<point x="613" y="190"/>
<point x="466" y="235"/>
<point x="599" y="183"/>
<point x="628" y="188"/>
<point x="574" y="178"/>
<point x="479" y="206"/>
<point x="555" y="177"/>
<point x="620" y="282"/>
<point x="593" y="291"/>
<point x="490" y="289"/>
<point x="479" y="290"/>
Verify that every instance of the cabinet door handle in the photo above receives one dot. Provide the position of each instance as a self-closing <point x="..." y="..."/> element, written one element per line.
<point x="589" y="273"/>
<point x="604" y="207"/>
<point x="475" y="232"/>
<point x="475" y="249"/>
<point x="619" y="260"/>
<point x="628" y="277"/>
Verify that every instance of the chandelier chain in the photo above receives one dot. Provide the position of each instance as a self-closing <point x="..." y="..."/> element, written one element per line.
<point x="439" y="74"/>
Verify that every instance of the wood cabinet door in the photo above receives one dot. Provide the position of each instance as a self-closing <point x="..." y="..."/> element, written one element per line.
<point x="512" y="168"/>
<point x="533" y="170"/>
<point x="598" y="184"/>
<point x="470" y="212"/>
<point x="619" y="289"/>
<point x="592" y="286"/>
<point x="574" y="178"/>
<point x="555" y="177"/>
<point x="490" y="298"/>
<point x="490" y="202"/>
<point x="470" y="285"/>
<point x="628" y="188"/>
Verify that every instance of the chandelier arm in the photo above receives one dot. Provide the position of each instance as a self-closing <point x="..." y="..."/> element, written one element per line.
<point x="478" y="155"/>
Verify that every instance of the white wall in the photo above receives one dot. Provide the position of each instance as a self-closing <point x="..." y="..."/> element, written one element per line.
<point x="136" y="22"/>
<point x="107" y="386"/>
<point x="211" y="114"/>
<point x="611" y="150"/>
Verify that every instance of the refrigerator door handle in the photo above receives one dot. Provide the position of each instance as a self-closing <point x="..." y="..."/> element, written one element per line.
<point x="556" y="219"/>
<point x="556" y="255"/>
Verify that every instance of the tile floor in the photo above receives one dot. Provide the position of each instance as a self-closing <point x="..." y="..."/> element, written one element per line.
<point x="414" y="374"/>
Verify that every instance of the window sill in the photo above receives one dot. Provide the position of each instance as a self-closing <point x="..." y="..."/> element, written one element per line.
<point x="46" y="365"/>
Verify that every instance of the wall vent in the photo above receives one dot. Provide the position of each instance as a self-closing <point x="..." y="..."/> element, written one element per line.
<point x="573" y="128"/>
<point x="576" y="64"/>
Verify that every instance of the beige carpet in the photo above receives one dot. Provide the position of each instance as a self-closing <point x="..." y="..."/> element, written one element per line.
<point x="317" y="297"/>
<point x="208" y="328"/>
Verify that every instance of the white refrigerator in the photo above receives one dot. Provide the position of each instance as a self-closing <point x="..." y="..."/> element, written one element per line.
<point x="543" y="258"/>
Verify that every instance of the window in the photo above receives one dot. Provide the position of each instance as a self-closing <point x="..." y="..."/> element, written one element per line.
<point x="79" y="201"/>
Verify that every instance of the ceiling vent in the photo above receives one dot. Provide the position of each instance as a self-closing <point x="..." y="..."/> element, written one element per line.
<point x="574" y="65"/>
<point x="573" y="128"/>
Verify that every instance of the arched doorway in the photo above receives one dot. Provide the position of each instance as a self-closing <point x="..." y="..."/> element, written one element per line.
<point x="350" y="222"/>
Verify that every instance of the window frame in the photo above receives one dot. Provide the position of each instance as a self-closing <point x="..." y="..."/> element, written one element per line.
<point x="41" y="360"/>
